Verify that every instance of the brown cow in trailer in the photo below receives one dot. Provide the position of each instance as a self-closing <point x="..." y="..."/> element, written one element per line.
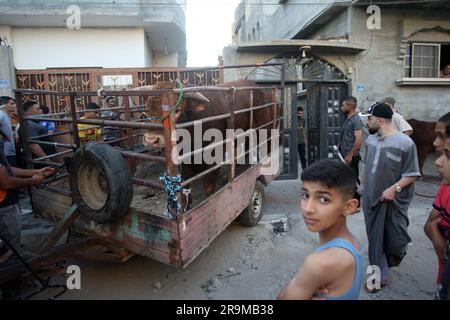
<point x="205" y="103"/>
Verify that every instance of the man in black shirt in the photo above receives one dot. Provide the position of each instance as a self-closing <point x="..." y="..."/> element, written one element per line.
<point x="31" y="108"/>
<point x="11" y="180"/>
<point x="111" y="133"/>
<point x="350" y="139"/>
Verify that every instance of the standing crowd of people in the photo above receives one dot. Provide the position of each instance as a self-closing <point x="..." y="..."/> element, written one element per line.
<point x="335" y="270"/>
<point x="331" y="191"/>
<point x="14" y="178"/>
<point x="13" y="173"/>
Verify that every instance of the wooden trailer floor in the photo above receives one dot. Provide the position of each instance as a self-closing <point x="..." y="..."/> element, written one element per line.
<point x="154" y="201"/>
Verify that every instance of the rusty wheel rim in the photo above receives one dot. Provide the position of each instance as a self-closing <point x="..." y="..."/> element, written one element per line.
<point x="257" y="203"/>
<point x="92" y="185"/>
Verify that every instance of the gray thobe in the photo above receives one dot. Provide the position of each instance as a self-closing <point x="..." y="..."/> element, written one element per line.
<point x="386" y="161"/>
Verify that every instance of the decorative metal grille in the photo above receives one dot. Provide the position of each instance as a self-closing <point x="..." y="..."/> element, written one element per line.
<point x="273" y="73"/>
<point x="67" y="80"/>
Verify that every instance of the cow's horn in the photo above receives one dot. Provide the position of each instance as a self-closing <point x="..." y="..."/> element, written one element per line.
<point x="196" y="96"/>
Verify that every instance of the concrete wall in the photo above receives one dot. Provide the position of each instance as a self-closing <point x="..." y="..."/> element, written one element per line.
<point x="162" y="21"/>
<point x="40" y="48"/>
<point x="181" y="58"/>
<point x="258" y="15"/>
<point x="7" y="72"/>
<point x="373" y="72"/>
<point x="94" y="13"/>
<point x="378" y="68"/>
<point x="148" y="52"/>
<point x="339" y="26"/>
<point x="5" y="32"/>
<point x="289" y="19"/>
<point x="231" y="57"/>
<point x="160" y="59"/>
<point x="277" y="21"/>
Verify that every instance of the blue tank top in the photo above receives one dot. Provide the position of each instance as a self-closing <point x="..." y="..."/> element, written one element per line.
<point x="353" y="292"/>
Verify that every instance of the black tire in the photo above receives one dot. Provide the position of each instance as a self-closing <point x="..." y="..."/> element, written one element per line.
<point x="100" y="182"/>
<point x="253" y="213"/>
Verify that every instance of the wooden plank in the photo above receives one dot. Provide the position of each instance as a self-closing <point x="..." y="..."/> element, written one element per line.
<point x="215" y="215"/>
<point x="206" y="233"/>
<point x="223" y="216"/>
<point x="37" y="263"/>
<point x="144" y="234"/>
<point x="164" y="254"/>
<point x="251" y="175"/>
<point x="58" y="231"/>
<point x="173" y="242"/>
<point x="50" y="204"/>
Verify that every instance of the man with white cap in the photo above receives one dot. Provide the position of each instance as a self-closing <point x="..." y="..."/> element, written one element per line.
<point x="391" y="167"/>
<point x="398" y="122"/>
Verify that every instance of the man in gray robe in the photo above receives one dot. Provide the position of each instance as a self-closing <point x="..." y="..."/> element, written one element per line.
<point x="391" y="167"/>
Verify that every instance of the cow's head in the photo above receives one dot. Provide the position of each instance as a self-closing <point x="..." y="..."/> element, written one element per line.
<point x="191" y="101"/>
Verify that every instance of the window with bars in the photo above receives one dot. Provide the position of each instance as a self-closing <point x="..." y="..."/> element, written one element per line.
<point x="425" y="60"/>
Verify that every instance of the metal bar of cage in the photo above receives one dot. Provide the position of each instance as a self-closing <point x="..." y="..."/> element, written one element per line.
<point x="168" y="129"/>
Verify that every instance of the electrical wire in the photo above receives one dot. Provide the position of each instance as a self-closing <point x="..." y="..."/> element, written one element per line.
<point x="370" y="43"/>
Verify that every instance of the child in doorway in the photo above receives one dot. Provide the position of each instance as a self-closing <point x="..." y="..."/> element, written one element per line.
<point x="327" y="198"/>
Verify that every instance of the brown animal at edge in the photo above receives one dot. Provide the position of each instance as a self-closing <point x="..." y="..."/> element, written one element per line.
<point x="423" y="136"/>
<point x="208" y="104"/>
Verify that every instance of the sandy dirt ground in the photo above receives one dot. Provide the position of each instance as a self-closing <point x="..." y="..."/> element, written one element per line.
<point x="255" y="263"/>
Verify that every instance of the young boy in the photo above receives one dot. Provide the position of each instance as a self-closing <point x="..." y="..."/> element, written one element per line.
<point x="443" y="199"/>
<point x="437" y="227"/>
<point x="327" y="198"/>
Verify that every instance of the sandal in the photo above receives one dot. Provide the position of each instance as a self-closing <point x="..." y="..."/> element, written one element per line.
<point x="383" y="284"/>
<point x="374" y="290"/>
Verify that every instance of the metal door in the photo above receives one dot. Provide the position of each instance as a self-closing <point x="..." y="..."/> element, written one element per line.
<point x="290" y="152"/>
<point x="324" y="118"/>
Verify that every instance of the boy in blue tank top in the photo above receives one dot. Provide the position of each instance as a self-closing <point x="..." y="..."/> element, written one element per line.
<point x="327" y="198"/>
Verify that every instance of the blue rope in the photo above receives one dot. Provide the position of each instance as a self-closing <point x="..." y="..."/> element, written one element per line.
<point x="172" y="185"/>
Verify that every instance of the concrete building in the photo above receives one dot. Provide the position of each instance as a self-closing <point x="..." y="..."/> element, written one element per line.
<point x="7" y="72"/>
<point x="94" y="33"/>
<point x="340" y="48"/>
<point x="402" y="58"/>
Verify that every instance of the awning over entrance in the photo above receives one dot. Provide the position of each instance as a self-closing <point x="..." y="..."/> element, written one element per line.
<point x="318" y="47"/>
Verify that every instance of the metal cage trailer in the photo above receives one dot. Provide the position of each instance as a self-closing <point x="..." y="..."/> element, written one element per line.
<point x="97" y="184"/>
